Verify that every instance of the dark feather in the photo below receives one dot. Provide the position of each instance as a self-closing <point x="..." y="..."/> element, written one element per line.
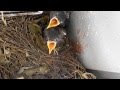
<point x="55" y="34"/>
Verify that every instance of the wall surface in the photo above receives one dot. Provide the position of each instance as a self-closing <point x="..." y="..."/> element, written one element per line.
<point x="99" y="34"/>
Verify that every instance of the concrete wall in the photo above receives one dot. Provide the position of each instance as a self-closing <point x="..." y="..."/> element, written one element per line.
<point x="99" y="34"/>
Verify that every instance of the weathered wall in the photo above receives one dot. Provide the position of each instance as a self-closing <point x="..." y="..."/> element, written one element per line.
<point x="99" y="34"/>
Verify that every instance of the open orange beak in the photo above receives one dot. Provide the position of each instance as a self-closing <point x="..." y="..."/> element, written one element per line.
<point x="53" y="22"/>
<point x="51" y="46"/>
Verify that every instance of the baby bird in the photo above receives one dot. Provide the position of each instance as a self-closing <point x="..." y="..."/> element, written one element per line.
<point x="54" y="38"/>
<point x="58" y="18"/>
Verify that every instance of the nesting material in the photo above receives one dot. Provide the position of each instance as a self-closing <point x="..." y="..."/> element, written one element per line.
<point x="24" y="53"/>
<point x="3" y="19"/>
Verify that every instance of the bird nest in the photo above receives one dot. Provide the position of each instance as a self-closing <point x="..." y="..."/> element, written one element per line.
<point x="24" y="55"/>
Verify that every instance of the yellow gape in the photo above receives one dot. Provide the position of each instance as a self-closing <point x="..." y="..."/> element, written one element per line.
<point x="53" y="22"/>
<point x="51" y="46"/>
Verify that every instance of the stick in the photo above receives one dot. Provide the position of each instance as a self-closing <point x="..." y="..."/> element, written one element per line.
<point x="3" y="19"/>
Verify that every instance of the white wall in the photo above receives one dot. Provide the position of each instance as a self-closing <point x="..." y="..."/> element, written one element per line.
<point x="99" y="33"/>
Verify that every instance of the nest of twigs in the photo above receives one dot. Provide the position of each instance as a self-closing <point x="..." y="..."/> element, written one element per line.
<point x="23" y="54"/>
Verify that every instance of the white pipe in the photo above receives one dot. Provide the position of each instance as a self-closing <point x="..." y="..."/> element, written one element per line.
<point x="20" y="13"/>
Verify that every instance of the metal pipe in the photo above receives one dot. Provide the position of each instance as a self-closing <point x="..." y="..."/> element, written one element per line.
<point x="20" y="13"/>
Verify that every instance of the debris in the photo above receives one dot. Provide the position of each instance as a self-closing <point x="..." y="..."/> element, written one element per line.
<point x="27" y="54"/>
<point x="37" y="70"/>
<point x="3" y="60"/>
<point x="20" y="77"/>
<point x="88" y="76"/>
<point x="3" y="19"/>
<point x="23" y="69"/>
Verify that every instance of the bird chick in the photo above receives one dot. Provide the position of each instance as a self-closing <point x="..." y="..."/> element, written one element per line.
<point x="54" y="38"/>
<point x="57" y="18"/>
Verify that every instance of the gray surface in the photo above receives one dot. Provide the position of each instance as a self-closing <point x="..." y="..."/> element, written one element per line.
<point x="105" y="75"/>
<point x="99" y="33"/>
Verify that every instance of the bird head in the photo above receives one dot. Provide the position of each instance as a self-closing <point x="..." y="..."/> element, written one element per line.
<point x="53" y="22"/>
<point x="51" y="45"/>
<point x="54" y="37"/>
